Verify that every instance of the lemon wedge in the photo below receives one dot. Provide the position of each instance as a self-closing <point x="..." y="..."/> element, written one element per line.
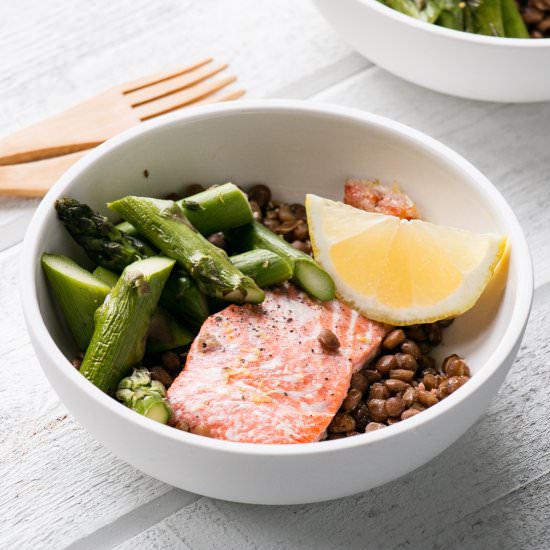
<point x="397" y="271"/>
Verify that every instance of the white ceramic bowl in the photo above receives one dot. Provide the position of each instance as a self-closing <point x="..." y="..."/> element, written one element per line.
<point x="294" y="147"/>
<point x="445" y="60"/>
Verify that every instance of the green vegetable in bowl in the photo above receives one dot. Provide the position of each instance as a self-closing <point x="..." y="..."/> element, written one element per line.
<point x="145" y="396"/>
<point x="78" y="293"/>
<point x="122" y="322"/>
<point x="165" y="224"/>
<point x="500" y="18"/>
<point x="306" y="272"/>
<point x="113" y="249"/>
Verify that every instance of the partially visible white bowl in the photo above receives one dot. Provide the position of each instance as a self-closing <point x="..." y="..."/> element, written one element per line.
<point x="294" y="147"/>
<point x="453" y="62"/>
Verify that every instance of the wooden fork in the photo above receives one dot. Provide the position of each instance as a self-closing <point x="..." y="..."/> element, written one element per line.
<point x="32" y="159"/>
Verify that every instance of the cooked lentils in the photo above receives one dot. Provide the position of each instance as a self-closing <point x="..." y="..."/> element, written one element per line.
<point x="287" y="220"/>
<point x="536" y="15"/>
<point x="400" y="382"/>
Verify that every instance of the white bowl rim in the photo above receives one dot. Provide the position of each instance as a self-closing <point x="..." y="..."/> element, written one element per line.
<point x="452" y="33"/>
<point x="510" y="338"/>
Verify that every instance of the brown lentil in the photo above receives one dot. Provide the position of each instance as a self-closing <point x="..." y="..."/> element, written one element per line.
<point x="256" y="210"/>
<point x="304" y="246"/>
<point x="328" y="340"/>
<point x="372" y="375"/>
<point x="385" y="364"/>
<point x="426" y="398"/>
<point x="406" y="361"/>
<point x="373" y="426"/>
<point x="352" y="399"/>
<point x="394" y="338"/>
<point x="408" y="413"/>
<point x="171" y="361"/>
<point x="395" y="406"/>
<point x="458" y="368"/>
<point x="409" y="396"/>
<point x="396" y="386"/>
<point x="361" y="416"/>
<point x="218" y="239"/>
<point x="359" y="382"/>
<point x="260" y="194"/>
<point x="402" y="374"/>
<point x="378" y="391"/>
<point x="342" y="422"/>
<point x="377" y="410"/>
<point x="411" y="348"/>
<point x="430" y="381"/>
<point x="162" y="376"/>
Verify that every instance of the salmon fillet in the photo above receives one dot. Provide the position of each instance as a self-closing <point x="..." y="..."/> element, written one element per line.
<point x="258" y="373"/>
<point x="372" y="196"/>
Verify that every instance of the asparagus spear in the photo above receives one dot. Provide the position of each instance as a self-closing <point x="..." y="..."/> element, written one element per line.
<point x="164" y="223"/>
<point x="264" y="266"/>
<point x="102" y="241"/>
<point x="182" y="298"/>
<point x="122" y="322"/>
<point x="78" y="294"/>
<point x="145" y="396"/>
<point x="306" y="272"/>
<point x="427" y="10"/>
<point x="488" y="18"/>
<point x="113" y="249"/>
<point x="165" y="333"/>
<point x="127" y="228"/>
<point x="452" y="15"/>
<point x="219" y="208"/>
<point x="514" y="26"/>
<point x="105" y="276"/>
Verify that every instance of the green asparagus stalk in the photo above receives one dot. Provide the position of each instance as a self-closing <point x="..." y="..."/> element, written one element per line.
<point x="145" y="396"/>
<point x="127" y="228"/>
<point x="306" y="272"/>
<point x="488" y="18"/>
<point x="182" y="298"/>
<point x="514" y="26"/>
<point x="78" y="294"/>
<point x="113" y="249"/>
<point x="102" y="241"/>
<point x="164" y="223"/>
<point x="122" y="322"/>
<point x="165" y="333"/>
<point x="219" y="208"/>
<point x="105" y="276"/>
<point x="264" y="266"/>
<point x="428" y="10"/>
<point x="452" y="15"/>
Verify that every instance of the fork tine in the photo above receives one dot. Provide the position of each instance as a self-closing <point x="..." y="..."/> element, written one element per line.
<point x="218" y="98"/>
<point x="173" y="85"/>
<point x="150" y="80"/>
<point x="182" y="98"/>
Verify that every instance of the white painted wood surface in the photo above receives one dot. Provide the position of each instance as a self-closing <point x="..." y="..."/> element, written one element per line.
<point x="60" y="488"/>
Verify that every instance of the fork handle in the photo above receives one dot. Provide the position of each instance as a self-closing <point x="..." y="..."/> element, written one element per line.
<point x="34" y="179"/>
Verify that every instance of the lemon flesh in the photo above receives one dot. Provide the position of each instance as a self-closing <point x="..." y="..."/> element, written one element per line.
<point x="399" y="271"/>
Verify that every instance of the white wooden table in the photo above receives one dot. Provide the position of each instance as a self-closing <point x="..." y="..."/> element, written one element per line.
<point x="59" y="488"/>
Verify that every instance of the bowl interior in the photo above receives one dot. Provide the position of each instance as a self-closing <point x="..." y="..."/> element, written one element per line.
<point x="293" y="151"/>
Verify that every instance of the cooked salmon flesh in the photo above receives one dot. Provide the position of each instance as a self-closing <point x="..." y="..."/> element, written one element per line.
<point x="260" y="374"/>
